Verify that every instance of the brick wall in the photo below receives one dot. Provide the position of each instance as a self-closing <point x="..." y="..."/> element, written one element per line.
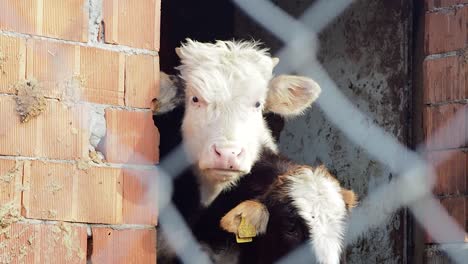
<point x="77" y="139"/>
<point x="444" y="65"/>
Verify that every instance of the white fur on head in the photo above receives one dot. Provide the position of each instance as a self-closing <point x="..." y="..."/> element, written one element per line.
<point x="318" y="199"/>
<point x="232" y="55"/>
<point x="230" y="82"/>
<point x="290" y="95"/>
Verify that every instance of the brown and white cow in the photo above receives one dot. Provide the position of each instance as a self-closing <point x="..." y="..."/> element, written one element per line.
<point x="228" y="86"/>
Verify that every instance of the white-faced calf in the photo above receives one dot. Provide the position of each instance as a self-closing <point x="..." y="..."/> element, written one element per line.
<point x="227" y="88"/>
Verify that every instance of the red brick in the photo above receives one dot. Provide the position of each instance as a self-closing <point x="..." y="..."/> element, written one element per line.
<point x="57" y="133"/>
<point x="141" y="80"/>
<point x="132" y="25"/>
<point x="139" y="198"/>
<point x="43" y="243"/>
<point x="77" y="73"/>
<point x="452" y="174"/>
<point x="103" y="73"/>
<point x="19" y="16"/>
<point x="12" y="62"/>
<point x="435" y="118"/>
<point x="431" y="4"/>
<point x="456" y="209"/>
<point x="66" y="19"/>
<point x="53" y="65"/>
<point x="60" y="191"/>
<point x="446" y="31"/>
<point x="11" y="175"/>
<point x="63" y="19"/>
<point x="123" y="246"/>
<point x="131" y="137"/>
<point x="466" y="216"/>
<point x="445" y="79"/>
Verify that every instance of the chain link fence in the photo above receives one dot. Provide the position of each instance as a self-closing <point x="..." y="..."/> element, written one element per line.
<point x="411" y="188"/>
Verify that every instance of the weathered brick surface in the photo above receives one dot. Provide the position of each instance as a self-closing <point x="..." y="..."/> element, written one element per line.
<point x="19" y="16"/>
<point x="132" y="25"/>
<point x="69" y="188"/>
<point x="131" y="137"/>
<point x="141" y="80"/>
<point x="12" y="62"/>
<point x="435" y="118"/>
<point x="445" y="79"/>
<point x="58" y="133"/>
<point x="75" y="73"/>
<point x="65" y="192"/>
<point x="71" y="72"/>
<point x="446" y="31"/>
<point x="43" y="243"/>
<point x="456" y="208"/>
<point x="140" y="200"/>
<point x="124" y="246"/>
<point x="56" y="67"/>
<point x="103" y="74"/>
<point x="64" y="19"/>
<point x="466" y="216"/>
<point x="431" y="4"/>
<point x="452" y="174"/>
<point x="11" y="175"/>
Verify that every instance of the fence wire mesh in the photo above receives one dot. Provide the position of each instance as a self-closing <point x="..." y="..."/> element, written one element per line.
<point x="411" y="189"/>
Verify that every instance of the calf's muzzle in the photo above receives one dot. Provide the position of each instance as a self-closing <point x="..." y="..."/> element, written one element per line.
<point x="226" y="156"/>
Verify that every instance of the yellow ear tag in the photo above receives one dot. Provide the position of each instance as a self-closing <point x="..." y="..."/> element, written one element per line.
<point x="245" y="229"/>
<point x="243" y="240"/>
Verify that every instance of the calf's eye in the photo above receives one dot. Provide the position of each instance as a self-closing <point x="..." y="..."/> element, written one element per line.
<point x="195" y="99"/>
<point x="257" y="104"/>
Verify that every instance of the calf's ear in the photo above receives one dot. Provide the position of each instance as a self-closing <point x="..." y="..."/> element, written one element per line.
<point x="254" y="212"/>
<point x="290" y="95"/>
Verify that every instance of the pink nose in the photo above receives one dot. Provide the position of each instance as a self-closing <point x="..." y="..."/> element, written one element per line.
<point x="227" y="157"/>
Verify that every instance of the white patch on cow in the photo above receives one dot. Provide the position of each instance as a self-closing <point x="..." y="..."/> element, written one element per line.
<point x="226" y="86"/>
<point x="319" y="202"/>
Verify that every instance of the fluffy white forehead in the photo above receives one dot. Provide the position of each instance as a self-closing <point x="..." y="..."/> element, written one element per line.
<point x="225" y="70"/>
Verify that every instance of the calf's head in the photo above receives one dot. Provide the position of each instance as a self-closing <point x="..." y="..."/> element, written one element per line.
<point x="228" y="87"/>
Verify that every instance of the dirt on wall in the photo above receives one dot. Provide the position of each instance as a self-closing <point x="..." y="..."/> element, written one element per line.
<point x="3" y="59"/>
<point x="30" y="100"/>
